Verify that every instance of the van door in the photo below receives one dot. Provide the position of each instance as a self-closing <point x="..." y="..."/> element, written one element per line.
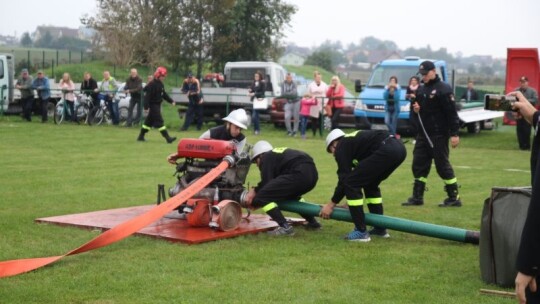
<point x="4" y="83"/>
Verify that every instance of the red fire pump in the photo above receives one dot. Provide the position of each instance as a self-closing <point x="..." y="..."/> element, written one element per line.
<point x="218" y="205"/>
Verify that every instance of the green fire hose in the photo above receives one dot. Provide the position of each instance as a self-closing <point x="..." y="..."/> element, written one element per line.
<point x="394" y="223"/>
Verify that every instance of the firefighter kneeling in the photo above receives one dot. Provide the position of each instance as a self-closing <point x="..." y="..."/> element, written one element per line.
<point x="286" y="174"/>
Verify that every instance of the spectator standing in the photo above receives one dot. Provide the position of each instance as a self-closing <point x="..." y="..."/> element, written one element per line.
<point x="317" y="89"/>
<point x="67" y="86"/>
<point x="24" y="84"/>
<point x="305" y="108"/>
<point x="335" y="94"/>
<point x="133" y="87"/>
<point x="292" y="107"/>
<point x="42" y="86"/>
<point x="257" y="90"/>
<point x="410" y="95"/>
<point x="192" y="88"/>
<point x="107" y="90"/>
<point x="392" y="94"/>
<point x="528" y="258"/>
<point x="436" y="108"/>
<point x="523" y="128"/>
<point x="155" y="93"/>
<point x="470" y="93"/>
<point x="88" y="88"/>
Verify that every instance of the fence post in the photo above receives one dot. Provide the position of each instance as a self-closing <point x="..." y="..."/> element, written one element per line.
<point x="43" y="60"/>
<point x="28" y="60"/>
<point x="81" y="56"/>
<point x="69" y="57"/>
<point x="57" y="57"/>
<point x="52" y="68"/>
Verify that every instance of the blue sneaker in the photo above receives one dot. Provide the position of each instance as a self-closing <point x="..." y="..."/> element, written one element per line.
<point x="357" y="236"/>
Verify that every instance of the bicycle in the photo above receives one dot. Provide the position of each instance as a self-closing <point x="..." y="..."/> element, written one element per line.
<point x="85" y="108"/>
<point x="101" y="114"/>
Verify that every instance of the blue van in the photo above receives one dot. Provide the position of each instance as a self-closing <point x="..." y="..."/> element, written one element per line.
<point x="370" y="107"/>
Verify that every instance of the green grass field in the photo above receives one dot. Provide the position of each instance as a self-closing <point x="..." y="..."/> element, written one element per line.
<point x="49" y="170"/>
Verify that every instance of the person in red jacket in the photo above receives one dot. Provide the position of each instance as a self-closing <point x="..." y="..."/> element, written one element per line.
<point x="335" y="94"/>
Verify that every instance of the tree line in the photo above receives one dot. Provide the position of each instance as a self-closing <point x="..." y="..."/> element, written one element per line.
<point x="187" y="33"/>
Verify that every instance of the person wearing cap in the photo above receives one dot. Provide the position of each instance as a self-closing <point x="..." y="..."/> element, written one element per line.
<point x="154" y="95"/>
<point x="435" y="109"/>
<point x="235" y="122"/>
<point x="41" y="85"/>
<point x="24" y="84"/>
<point x="286" y="174"/>
<point x="192" y="88"/>
<point x="523" y="128"/>
<point x="364" y="160"/>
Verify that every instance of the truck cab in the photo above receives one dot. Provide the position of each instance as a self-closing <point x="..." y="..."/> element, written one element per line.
<point x="7" y="75"/>
<point x="370" y="107"/>
<point x="240" y="75"/>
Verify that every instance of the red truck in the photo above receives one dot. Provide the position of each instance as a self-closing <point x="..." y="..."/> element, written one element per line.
<point x="521" y="62"/>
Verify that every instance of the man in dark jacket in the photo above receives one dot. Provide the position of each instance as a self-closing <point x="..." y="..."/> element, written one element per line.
<point x="528" y="259"/>
<point x="155" y="93"/>
<point x="192" y="88"/>
<point x="286" y="174"/>
<point x="523" y="128"/>
<point x="24" y="84"/>
<point x="436" y="110"/>
<point x="41" y="85"/>
<point x="470" y="93"/>
<point x="134" y="88"/>
<point x="364" y="159"/>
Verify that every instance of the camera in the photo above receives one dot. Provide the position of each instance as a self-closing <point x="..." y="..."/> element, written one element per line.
<point x="495" y="102"/>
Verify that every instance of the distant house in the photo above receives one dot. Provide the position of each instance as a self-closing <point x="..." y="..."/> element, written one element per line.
<point x="377" y="56"/>
<point x="56" y="32"/>
<point x="293" y="59"/>
<point x="8" y="40"/>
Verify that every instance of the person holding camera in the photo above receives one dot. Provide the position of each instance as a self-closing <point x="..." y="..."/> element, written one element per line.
<point x="392" y="93"/>
<point x="528" y="259"/>
<point x="523" y="128"/>
<point x="439" y="123"/>
<point x="192" y="88"/>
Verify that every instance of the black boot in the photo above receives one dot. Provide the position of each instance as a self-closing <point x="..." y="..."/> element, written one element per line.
<point x="311" y="222"/>
<point x="169" y="139"/>
<point x="453" y="196"/>
<point x="141" y="134"/>
<point x="417" y="198"/>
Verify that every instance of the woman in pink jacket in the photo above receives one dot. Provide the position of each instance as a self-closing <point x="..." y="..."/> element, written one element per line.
<point x="335" y="94"/>
<point x="67" y="86"/>
<point x="305" y="107"/>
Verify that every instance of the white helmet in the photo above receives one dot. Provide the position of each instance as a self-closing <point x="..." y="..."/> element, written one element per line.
<point x="238" y="118"/>
<point x="335" y="134"/>
<point x="260" y="147"/>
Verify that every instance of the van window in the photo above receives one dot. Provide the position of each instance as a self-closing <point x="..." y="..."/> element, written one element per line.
<point x="244" y="74"/>
<point x="381" y="75"/>
<point x="1" y="69"/>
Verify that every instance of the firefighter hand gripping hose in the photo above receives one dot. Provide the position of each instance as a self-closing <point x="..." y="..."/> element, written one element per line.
<point x="117" y="233"/>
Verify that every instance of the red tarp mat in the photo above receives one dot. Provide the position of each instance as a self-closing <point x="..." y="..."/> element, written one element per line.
<point x="170" y="227"/>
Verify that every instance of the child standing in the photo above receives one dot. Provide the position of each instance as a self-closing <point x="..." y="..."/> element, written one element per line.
<point x="305" y="105"/>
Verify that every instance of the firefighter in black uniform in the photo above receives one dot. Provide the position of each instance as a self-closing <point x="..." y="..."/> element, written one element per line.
<point x="154" y="95"/>
<point x="364" y="159"/>
<point x="436" y="111"/>
<point x="286" y="174"/>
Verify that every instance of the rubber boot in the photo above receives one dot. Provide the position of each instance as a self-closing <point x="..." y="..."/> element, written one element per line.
<point x="141" y="134"/>
<point x="169" y="139"/>
<point x="417" y="198"/>
<point x="453" y="196"/>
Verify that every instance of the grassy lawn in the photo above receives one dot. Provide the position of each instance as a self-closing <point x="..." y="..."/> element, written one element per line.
<point x="49" y="170"/>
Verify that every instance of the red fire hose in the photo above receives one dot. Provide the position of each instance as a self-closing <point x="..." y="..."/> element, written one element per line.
<point x="117" y="233"/>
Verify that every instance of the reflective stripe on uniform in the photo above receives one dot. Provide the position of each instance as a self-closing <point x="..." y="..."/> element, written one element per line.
<point x="422" y="179"/>
<point x="450" y="181"/>
<point x="279" y="150"/>
<point x="145" y="127"/>
<point x="353" y="134"/>
<point x="162" y="129"/>
<point x="373" y="200"/>
<point x="356" y="202"/>
<point x="269" y="207"/>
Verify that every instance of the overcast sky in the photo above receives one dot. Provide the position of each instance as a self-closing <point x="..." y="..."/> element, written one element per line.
<point x="483" y="27"/>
